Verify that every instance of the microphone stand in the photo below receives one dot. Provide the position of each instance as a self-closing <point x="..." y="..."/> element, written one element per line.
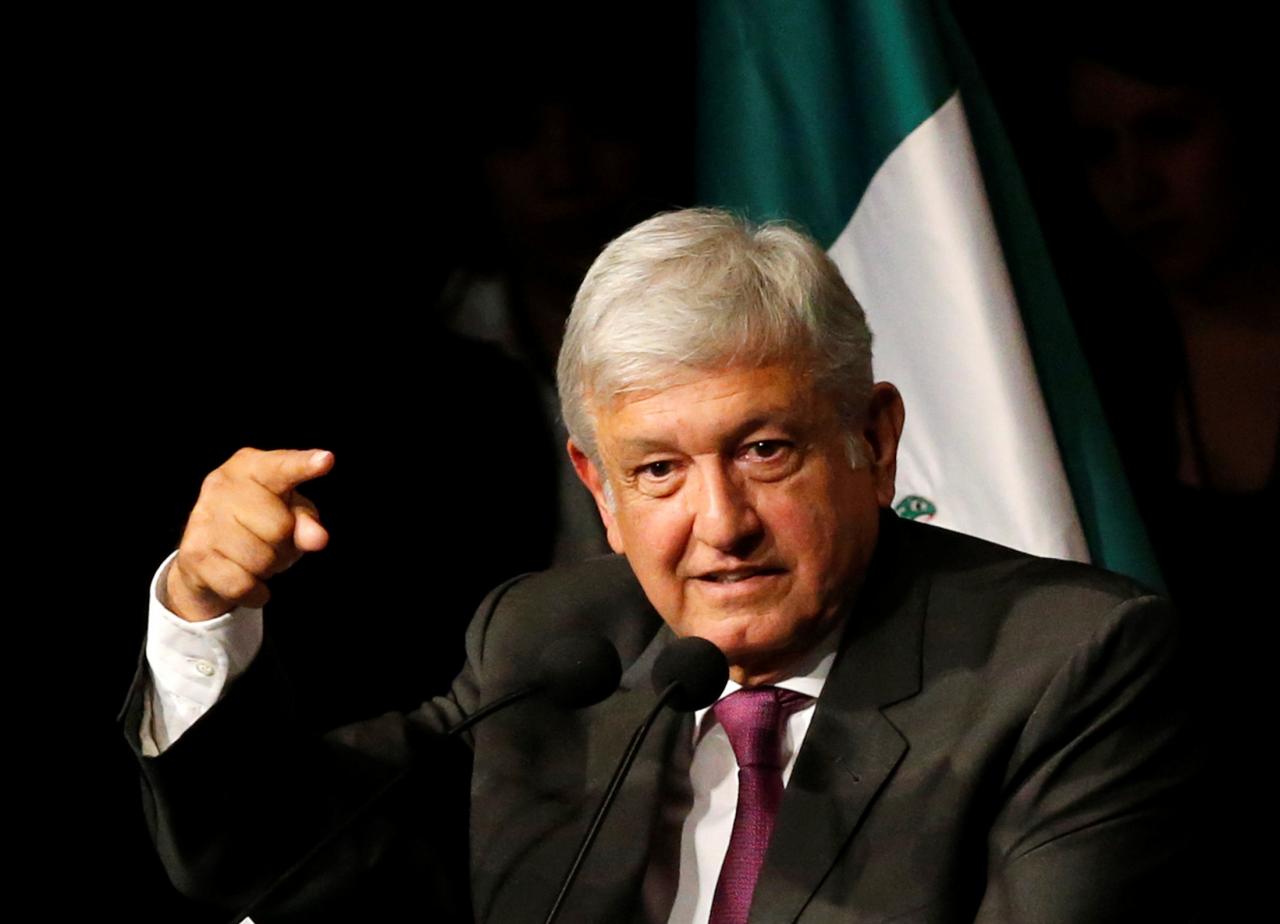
<point x="359" y="811"/>
<point x="628" y="758"/>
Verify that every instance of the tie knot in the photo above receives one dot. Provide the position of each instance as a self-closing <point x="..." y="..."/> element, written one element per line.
<point x="753" y="719"/>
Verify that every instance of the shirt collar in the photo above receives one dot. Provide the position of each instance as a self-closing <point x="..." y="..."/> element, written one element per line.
<point x="809" y="676"/>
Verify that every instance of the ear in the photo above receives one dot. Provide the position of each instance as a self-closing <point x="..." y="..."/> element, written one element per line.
<point x="882" y="431"/>
<point x="591" y="476"/>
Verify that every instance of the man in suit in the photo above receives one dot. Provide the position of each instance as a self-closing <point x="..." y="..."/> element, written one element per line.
<point x="964" y="733"/>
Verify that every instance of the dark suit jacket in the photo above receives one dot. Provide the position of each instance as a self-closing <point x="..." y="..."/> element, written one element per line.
<point x="1001" y="738"/>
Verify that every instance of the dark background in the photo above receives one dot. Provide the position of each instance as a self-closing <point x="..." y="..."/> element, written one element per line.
<point x="247" y="220"/>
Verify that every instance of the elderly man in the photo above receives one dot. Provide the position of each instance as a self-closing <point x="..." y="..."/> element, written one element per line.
<point x="963" y="732"/>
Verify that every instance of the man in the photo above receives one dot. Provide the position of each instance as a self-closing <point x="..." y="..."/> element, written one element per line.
<point x="965" y="733"/>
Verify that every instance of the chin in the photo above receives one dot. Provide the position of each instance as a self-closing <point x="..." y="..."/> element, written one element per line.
<point x="745" y="644"/>
<point x="728" y="635"/>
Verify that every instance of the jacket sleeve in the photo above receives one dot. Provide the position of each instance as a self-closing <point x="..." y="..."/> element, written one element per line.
<point x="239" y="804"/>
<point x="1097" y="821"/>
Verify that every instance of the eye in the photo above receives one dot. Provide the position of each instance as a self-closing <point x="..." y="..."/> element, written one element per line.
<point x="657" y="478"/>
<point x="769" y="460"/>
<point x="658" y="470"/>
<point x="765" y="450"/>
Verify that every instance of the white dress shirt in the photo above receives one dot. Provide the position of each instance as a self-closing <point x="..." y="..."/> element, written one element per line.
<point x="193" y="662"/>
<point x="713" y="780"/>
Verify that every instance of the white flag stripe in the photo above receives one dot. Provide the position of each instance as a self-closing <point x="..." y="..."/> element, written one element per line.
<point x="922" y="254"/>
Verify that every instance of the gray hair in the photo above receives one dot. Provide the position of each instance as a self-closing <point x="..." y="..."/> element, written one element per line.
<point x="702" y="289"/>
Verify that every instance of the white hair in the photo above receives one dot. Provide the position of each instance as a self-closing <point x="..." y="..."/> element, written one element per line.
<point x="700" y="290"/>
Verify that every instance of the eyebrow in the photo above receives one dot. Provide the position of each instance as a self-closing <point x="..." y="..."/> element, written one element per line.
<point x="772" y="417"/>
<point x="642" y="446"/>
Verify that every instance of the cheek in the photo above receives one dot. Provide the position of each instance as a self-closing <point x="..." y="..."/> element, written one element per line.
<point x="655" y="535"/>
<point x="831" y="532"/>
<point x="806" y="529"/>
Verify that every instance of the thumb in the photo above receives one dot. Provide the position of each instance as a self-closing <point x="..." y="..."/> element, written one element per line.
<point x="308" y="534"/>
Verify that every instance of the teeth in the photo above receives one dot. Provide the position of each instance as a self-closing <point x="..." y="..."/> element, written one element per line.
<point x="734" y="578"/>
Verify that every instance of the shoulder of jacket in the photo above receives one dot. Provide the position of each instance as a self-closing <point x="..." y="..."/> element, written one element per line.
<point x="599" y="596"/>
<point x="998" y="597"/>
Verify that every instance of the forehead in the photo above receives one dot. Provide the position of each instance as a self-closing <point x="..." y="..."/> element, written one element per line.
<point x="710" y="404"/>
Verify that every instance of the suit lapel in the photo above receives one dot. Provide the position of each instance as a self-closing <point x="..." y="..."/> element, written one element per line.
<point x="851" y="749"/>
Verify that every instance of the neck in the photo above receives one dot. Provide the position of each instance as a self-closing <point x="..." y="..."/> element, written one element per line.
<point x="799" y="664"/>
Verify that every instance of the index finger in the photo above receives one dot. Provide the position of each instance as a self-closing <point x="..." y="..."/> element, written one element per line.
<point x="282" y="470"/>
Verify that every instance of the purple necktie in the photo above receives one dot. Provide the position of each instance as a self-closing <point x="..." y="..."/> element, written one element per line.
<point x="754" y="720"/>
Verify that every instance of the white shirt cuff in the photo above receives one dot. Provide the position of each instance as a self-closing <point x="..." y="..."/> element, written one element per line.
<point x="191" y="664"/>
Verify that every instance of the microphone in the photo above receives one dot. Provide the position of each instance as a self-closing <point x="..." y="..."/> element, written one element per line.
<point x="579" y="671"/>
<point x="696" y="668"/>
<point x="689" y="674"/>
<point x="573" y="672"/>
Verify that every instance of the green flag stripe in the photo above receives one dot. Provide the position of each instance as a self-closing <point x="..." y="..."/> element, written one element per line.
<point x="783" y="129"/>
<point x="1116" y="536"/>
<point x="802" y="102"/>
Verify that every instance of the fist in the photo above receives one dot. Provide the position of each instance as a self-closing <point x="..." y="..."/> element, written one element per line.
<point x="248" y="524"/>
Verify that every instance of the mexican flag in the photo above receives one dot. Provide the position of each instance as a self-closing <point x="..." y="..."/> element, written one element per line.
<point x="866" y="122"/>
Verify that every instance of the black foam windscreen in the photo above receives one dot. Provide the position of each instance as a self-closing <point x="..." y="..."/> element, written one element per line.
<point x="579" y="671"/>
<point x="699" y="669"/>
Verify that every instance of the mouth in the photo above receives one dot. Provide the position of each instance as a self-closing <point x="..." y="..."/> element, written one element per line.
<point x="736" y="575"/>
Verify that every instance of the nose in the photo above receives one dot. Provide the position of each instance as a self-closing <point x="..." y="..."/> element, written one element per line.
<point x="724" y="516"/>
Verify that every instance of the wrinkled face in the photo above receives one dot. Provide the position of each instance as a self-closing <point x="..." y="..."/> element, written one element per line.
<point x="736" y="505"/>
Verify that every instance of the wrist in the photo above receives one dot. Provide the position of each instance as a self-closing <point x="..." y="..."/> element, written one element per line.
<point x="178" y="598"/>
